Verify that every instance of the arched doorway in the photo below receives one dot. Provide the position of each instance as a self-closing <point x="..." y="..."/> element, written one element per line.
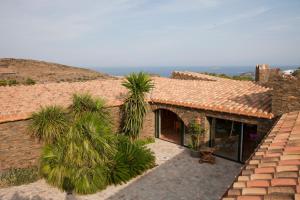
<point x="169" y="126"/>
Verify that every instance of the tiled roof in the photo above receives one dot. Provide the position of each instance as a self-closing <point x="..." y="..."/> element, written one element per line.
<point x="18" y="102"/>
<point x="198" y="76"/>
<point x="238" y="97"/>
<point x="273" y="170"/>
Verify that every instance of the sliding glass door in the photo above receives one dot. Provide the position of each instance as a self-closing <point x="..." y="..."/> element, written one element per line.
<point x="232" y="139"/>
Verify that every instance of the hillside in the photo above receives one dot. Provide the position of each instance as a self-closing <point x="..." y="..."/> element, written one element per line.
<point x="22" y="70"/>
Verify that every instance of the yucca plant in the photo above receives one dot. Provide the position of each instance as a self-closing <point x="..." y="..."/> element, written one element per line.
<point x="49" y="124"/>
<point x="135" y="105"/>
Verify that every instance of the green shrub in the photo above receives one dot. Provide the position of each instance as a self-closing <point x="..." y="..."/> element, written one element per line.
<point x="18" y="176"/>
<point x="82" y="154"/>
<point x="49" y="123"/>
<point x="3" y="83"/>
<point x="144" y="141"/>
<point x="196" y="132"/>
<point x="130" y="161"/>
<point x="29" y="81"/>
<point x="12" y="82"/>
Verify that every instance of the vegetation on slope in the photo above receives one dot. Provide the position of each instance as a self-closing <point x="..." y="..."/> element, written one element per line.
<point x="235" y="77"/>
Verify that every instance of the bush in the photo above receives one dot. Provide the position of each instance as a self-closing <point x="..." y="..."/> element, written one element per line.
<point x="196" y="132"/>
<point x="12" y="82"/>
<point x="3" y="83"/>
<point x="82" y="154"/>
<point x="130" y="161"/>
<point x="29" y="81"/>
<point x="144" y="141"/>
<point x="49" y="123"/>
<point x="18" y="176"/>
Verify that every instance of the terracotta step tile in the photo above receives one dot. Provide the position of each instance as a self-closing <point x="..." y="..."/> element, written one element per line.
<point x="290" y="157"/>
<point x="251" y="167"/>
<point x="250" y="198"/>
<point x="237" y="185"/>
<point x="254" y="191"/>
<point x="270" y="159"/>
<point x="228" y="198"/>
<point x="267" y="164"/>
<point x="264" y="170"/>
<point x="289" y="162"/>
<point x="254" y="162"/>
<point x="247" y="172"/>
<point x="283" y="190"/>
<point x="272" y="155"/>
<point x="283" y="181"/>
<point x="279" y="197"/>
<point x="234" y="192"/>
<point x="261" y="176"/>
<point x="292" y="149"/>
<point x="286" y="174"/>
<point x="287" y="168"/>
<point x="243" y="178"/>
<point x="258" y="183"/>
<point x="297" y="196"/>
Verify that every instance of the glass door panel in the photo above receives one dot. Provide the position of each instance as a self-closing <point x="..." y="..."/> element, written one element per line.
<point x="226" y="138"/>
<point x="250" y="140"/>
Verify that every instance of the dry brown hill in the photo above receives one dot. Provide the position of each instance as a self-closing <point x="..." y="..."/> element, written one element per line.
<point x="44" y="72"/>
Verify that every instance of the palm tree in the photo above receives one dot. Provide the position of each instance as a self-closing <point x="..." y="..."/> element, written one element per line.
<point x="135" y="105"/>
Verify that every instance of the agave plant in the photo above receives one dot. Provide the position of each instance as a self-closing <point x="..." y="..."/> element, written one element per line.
<point x="49" y="124"/>
<point x="135" y="106"/>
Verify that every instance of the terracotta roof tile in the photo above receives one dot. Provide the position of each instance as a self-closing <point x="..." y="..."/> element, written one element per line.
<point x="277" y="170"/>
<point x="237" y="97"/>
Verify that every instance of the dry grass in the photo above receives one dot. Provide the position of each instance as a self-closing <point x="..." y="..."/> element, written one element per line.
<point x="44" y="72"/>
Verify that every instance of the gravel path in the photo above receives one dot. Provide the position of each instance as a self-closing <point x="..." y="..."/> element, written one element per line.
<point x="178" y="176"/>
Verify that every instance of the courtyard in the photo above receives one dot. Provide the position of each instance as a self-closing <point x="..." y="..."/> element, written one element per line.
<point x="177" y="176"/>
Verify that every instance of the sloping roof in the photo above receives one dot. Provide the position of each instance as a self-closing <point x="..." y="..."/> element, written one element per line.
<point x="18" y="102"/>
<point x="238" y="97"/>
<point x="273" y="170"/>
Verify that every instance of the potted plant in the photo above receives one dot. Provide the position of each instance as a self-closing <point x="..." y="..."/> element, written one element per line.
<point x="196" y="134"/>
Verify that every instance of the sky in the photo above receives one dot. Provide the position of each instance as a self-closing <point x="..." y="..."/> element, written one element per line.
<point x="152" y="33"/>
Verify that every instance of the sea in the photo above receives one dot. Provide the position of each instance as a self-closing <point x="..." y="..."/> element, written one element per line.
<point x="167" y="71"/>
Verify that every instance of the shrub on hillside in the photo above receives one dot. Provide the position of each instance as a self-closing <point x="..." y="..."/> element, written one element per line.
<point x="29" y="81"/>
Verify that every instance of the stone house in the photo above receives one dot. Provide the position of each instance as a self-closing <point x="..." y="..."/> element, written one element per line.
<point x="236" y="115"/>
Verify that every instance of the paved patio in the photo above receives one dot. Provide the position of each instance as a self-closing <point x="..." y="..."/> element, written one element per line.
<point x="177" y="176"/>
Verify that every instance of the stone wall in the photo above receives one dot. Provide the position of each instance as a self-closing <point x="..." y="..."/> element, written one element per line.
<point x="17" y="148"/>
<point x="285" y="94"/>
<point x="263" y="74"/>
<point x="188" y="114"/>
